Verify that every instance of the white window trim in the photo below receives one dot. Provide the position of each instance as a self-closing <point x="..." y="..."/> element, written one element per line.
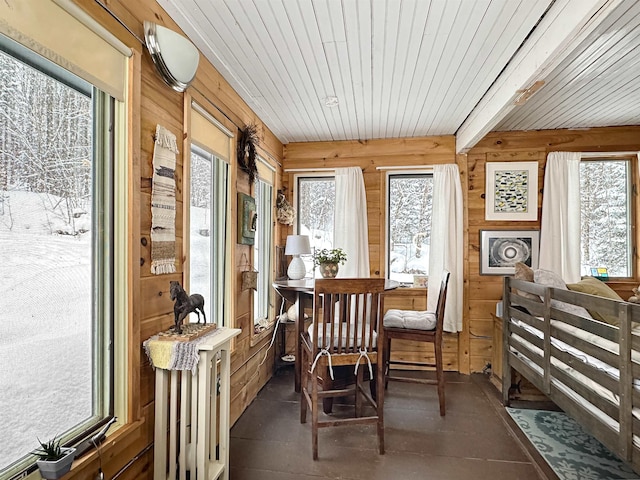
<point x="390" y="172"/>
<point x="325" y="172"/>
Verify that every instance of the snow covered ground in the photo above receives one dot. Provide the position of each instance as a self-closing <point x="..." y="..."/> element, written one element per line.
<point x="45" y="332"/>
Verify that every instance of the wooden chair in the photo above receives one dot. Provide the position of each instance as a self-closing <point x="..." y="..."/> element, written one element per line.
<point x="418" y="326"/>
<point x="345" y="332"/>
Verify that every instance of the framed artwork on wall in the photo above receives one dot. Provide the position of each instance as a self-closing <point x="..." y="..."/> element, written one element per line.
<point x="511" y="191"/>
<point x="500" y="250"/>
<point x="247" y="217"/>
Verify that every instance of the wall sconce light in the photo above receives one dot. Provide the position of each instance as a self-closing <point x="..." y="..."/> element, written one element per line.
<point x="175" y="57"/>
<point x="297" y="245"/>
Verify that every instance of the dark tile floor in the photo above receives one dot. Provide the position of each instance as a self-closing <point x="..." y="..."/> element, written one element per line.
<point x="475" y="440"/>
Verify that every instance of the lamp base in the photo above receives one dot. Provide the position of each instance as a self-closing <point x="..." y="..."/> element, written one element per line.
<point x="297" y="269"/>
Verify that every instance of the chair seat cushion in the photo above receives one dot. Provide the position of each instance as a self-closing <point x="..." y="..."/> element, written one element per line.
<point x="411" y="319"/>
<point x="344" y="336"/>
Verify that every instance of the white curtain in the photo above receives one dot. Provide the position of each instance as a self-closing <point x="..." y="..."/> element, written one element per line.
<point x="350" y="230"/>
<point x="446" y="249"/>
<point x="560" y="226"/>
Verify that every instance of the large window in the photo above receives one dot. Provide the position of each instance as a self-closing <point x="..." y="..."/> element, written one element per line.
<point x="606" y="216"/>
<point x="208" y="231"/>
<point x="315" y="198"/>
<point x="262" y="249"/>
<point x="57" y="255"/>
<point x="409" y="206"/>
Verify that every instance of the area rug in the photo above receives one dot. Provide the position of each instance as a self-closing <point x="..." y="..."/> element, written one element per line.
<point x="572" y="453"/>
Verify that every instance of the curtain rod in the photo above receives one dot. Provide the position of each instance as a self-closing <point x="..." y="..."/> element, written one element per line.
<point x="309" y="169"/>
<point x="606" y="154"/>
<point x="323" y="169"/>
<point x="406" y="167"/>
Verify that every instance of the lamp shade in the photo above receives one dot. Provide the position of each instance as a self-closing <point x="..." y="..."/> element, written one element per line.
<point x="297" y="245"/>
<point x="174" y="56"/>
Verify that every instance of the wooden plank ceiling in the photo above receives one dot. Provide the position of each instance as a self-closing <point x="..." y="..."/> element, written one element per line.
<point x="405" y="68"/>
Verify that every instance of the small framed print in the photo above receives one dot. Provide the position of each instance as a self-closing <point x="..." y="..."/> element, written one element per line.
<point x="500" y="250"/>
<point x="511" y="191"/>
<point x="247" y="218"/>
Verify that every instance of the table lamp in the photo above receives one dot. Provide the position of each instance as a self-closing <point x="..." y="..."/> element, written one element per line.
<point x="297" y="245"/>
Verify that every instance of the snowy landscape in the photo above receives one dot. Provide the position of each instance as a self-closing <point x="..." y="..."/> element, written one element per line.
<point x="45" y="340"/>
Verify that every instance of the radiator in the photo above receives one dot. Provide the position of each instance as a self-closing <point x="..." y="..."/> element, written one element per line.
<point x="192" y="415"/>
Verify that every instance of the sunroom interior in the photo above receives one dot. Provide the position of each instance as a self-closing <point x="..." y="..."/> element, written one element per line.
<point x="401" y="93"/>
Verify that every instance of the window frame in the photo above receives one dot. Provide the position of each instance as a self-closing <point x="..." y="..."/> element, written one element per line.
<point x="396" y="172"/>
<point x="634" y="211"/>
<point x="219" y="243"/>
<point x="296" y="199"/>
<point x="263" y="261"/>
<point x="109" y="257"/>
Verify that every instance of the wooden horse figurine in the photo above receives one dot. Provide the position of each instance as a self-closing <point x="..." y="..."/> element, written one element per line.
<point x="185" y="304"/>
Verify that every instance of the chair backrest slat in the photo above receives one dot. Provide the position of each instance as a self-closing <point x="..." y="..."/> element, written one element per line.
<point x="349" y="309"/>
<point x="442" y="300"/>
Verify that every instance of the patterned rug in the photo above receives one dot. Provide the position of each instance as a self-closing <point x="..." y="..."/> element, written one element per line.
<point x="572" y="453"/>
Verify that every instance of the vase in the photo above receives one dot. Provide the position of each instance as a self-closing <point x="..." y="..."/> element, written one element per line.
<point x="54" y="469"/>
<point x="328" y="270"/>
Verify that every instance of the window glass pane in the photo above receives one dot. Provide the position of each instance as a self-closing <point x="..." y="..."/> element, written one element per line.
<point x="262" y="250"/>
<point x="409" y="225"/>
<point x="200" y="224"/>
<point x="315" y="212"/>
<point x="208" y="224"/>
<point x="54" y="232"/>
<point x="605" y="216"/>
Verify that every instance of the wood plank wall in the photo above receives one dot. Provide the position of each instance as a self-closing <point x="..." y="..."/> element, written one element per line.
<point x="128" y="453"/>
<point x="486" y="290"/>
<point x="369" y="155"/>
<point x="471" y="350"/>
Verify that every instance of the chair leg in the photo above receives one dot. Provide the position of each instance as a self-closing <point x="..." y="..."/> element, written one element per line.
<point x="327" y="384"/>
<point x="380" y="406"/>
<point x="440" y="377"/>
<point x="304" y="387"/>
<point x="314" y="415"/>
<point x="358" y="394"/>
<point x="385" y="362"/>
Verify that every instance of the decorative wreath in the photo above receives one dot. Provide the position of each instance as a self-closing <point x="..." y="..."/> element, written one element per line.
<point x="284" y="211"/>
<point x="247" y="151"/>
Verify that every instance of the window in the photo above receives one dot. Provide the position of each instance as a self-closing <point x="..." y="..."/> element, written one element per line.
<point x="262" y="249"/>
<point x="208" y="231"/>
<point x="315" y="212"/>
<point x="57" y="217"/>
<point x="606" y="216"/>
<point x="409" y="206"/>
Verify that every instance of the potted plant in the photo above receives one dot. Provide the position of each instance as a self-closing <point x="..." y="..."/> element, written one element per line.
<point x="328" y="261"/>
<point x="54" y="460"/>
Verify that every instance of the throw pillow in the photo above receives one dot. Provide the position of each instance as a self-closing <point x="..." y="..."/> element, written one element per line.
<point x="525" y="273"/>
<point x="593" y="286"/>
<point x="552" y="279"/>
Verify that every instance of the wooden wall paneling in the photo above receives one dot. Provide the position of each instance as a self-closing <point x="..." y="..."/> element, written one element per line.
<point x="369" y="155"/>
<point x="605" y="139"/>
<point x="437" y="145"/>
<point x="485" y="291"/>
<point x="151" y="310"/>
<point x="464" y="347"/>
<point x="134" y="357"/>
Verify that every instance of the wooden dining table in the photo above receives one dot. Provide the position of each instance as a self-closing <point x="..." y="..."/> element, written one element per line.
<point x="300" y="293"/>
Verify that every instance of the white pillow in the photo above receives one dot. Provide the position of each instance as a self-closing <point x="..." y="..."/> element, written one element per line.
<point x="552" y="279"/>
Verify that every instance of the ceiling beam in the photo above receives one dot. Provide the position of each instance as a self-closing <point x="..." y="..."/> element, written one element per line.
<point x="565" y="25"/>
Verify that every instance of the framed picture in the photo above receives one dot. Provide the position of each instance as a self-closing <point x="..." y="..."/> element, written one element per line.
<point x="247" y="218"/>
<point x="511" y="191"/>
<point x="500" y="250"/>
